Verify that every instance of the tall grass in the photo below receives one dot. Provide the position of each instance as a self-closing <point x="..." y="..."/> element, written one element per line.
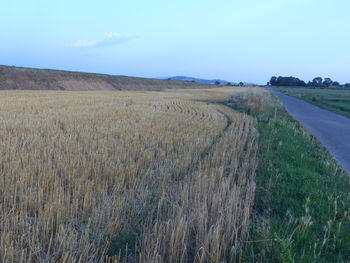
<point x="252" y="100"/>
<point x="124" y="177"/>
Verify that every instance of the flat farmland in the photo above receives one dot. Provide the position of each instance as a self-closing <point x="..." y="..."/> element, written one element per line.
<point x="121" y="175"/>
<point x="335" y="100"/>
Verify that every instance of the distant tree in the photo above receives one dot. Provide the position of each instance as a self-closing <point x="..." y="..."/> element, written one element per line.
<point x="229" y="84"/>
<point x="241" y="84"/>
<point x="295" y="82"/>
<point x="287" y="81"/>
<point x="273" y="81"/>
<point x="317" y="81"/>
<point x="347" y="85"/>
<point x="327" y="82"/>
<point x="335" y="84"/>
<point x="217" y="83"/>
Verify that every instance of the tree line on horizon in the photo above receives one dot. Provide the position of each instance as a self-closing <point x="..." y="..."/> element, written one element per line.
<point x="296" y="82"/>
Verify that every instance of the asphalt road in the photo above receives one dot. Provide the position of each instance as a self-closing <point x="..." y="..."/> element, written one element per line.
<point x="331" y="129"/>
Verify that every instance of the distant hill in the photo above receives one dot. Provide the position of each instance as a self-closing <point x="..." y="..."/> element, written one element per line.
<point x="44" y="79"/>
<point x="202" y="81"/>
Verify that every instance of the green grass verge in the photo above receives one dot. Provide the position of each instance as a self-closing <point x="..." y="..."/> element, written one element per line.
<point x="302" y="206"/>
<point x="335" y="100"/>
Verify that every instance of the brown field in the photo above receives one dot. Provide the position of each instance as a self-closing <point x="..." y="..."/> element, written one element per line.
<point x="124" y="176"/>
<point x="15" y="78"/>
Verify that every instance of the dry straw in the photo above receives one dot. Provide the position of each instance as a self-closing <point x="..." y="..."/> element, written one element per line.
<point x="171" y="170"/>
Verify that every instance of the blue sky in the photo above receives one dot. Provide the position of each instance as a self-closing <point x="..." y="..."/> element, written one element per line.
<point x="237" y="40"/>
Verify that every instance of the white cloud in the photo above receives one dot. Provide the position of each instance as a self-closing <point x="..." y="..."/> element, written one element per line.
<point x="84" y="43"/>
<point x="112" y="35"/>
<point x="110" y="39"/>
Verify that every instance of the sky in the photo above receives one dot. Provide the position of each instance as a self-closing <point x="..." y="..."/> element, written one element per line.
<point x="235" y="40"/>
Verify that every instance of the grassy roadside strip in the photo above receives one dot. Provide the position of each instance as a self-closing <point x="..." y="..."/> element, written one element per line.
<point x="302" y="204"/>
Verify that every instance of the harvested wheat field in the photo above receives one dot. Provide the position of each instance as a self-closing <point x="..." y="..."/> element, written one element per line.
<point x="123" y="176"/>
